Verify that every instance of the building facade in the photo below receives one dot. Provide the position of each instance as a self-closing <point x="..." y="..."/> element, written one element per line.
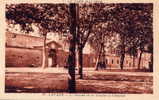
<point x="26" y="51"/>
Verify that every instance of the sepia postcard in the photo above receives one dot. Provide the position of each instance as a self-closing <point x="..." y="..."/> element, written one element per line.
<point x="79" y="49"/>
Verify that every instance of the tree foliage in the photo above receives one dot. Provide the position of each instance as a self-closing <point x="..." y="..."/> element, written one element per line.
<point x="96" y="21"/>
<point x="47" y="17"/>
<point x="133" y="22"/>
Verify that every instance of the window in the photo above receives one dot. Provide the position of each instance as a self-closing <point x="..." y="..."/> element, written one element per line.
<point x="112" y="61"/>
<point x="14" y="36"/>
<point x="6" y="44"/>
<point x="129" y="64"/>
<point x="117" y="61"/>
<point x="52" y="52"/>
<point x="94" y="60"/>
<point x="126" y="61"/>
<point x="106" y="61"/>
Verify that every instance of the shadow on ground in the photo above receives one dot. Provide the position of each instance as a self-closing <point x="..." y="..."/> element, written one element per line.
<point x="29" y="82"/>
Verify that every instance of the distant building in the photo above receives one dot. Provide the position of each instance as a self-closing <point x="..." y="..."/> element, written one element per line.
<point x="113" y="61"/>
<point x="26" y="51"/>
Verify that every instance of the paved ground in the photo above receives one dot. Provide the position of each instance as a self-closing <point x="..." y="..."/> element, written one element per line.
<point x="55" y="80"/>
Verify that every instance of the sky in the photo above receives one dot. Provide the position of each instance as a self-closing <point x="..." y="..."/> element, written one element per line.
<point x="52" y="36"/>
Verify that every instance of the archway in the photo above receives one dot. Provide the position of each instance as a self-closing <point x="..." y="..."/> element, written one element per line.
<point x="52" y="58"/>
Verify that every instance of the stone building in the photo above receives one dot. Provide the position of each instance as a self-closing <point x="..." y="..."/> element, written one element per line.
<point x="113" y="61"/>
<point x="26" y="51"/>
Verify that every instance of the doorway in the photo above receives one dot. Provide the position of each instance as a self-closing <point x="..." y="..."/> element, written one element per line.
<point x="52" y="58"/>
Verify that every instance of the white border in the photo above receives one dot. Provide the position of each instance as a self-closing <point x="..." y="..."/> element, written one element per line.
<point x="153" y="96"/>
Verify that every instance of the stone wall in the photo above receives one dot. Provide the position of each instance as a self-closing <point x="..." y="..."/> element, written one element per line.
<point x="21" y="40"/>
<point x="22" y="57"/>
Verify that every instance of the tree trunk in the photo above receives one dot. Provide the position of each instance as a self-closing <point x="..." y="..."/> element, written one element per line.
<point x="96" y="65"/>
<point x="44" y="58"/>
<point x="122" y="61"/>
<point x="140" y="59"/>
<point x="122" y="52"/>
<point x="133" y="61"/>
<point x="72" y="48"/>
<point x="80" y="60"/>
<point x="151" y="63"/>
<point x="97" y="61"/>
<point x="77" y="58"/>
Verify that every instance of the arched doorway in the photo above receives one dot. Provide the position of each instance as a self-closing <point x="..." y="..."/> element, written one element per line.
<point x="52" y="58"/>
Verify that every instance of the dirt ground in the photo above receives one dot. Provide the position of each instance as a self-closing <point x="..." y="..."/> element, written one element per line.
<point x="93" y="82"/>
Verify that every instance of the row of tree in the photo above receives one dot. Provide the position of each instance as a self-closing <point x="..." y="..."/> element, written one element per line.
<point x="94" y="23"/>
